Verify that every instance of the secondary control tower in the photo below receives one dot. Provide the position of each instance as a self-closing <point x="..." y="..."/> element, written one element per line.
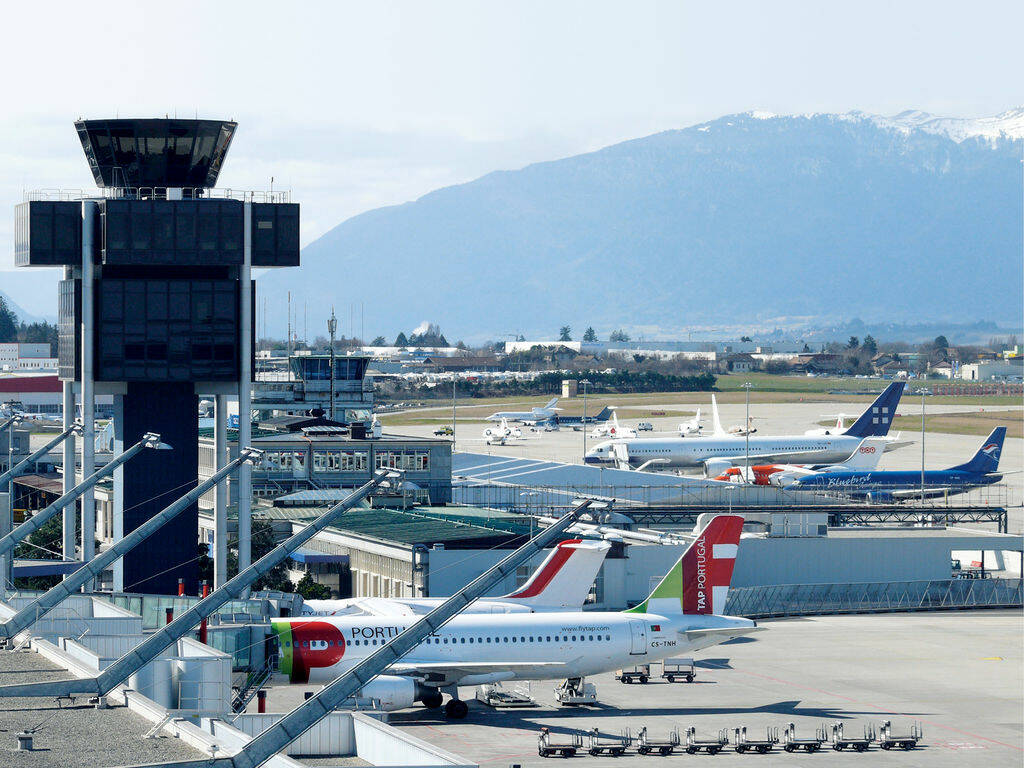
<point x="156" y="308"/>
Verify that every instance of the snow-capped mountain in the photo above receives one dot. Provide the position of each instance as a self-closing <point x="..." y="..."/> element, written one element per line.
<point x="745" y="217"/>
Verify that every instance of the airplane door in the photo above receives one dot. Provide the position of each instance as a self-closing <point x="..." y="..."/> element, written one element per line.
<point x="637" y="637"/>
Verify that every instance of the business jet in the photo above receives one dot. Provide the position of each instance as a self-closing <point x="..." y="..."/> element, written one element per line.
<point x="532" y="416"/>
<point x="683" y="614"/>
<point x="894" y="485"/>
<point x="612" y="429"/>
<point x="733" y="430"/>
<point x="501" y="434"/>
<point x="691" y="427"/>
<point x="717" y="453"/>
<point x="866" y="457"/>
<point x="562" y="582"/>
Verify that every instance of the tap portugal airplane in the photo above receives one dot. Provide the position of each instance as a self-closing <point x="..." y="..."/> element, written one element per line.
<point x="682" y="614"/>
<point x="562" y="582"/>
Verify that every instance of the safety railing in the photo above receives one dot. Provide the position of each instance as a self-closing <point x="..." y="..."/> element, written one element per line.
<point x="158" y="193"/>
<point x="884" y="597"/>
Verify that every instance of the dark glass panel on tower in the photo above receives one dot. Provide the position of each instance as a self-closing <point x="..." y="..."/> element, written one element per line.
<point x="155" y="153"/>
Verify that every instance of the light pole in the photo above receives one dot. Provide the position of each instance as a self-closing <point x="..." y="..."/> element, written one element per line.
<point x="585" y="383"/>
<point x="746" y="429"/>
<point x="453" y="409"/>
<point x="332" y="327"/>
<point x="923" y="391"/>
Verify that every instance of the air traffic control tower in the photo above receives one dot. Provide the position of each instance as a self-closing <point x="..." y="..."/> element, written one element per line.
<point x="156" y="308"/>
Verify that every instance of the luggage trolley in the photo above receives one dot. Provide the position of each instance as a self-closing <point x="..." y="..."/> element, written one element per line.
<point x="678" y="669"/>
<point x="638" y="674"/>
<point x="608" y="745"/>
<point x="887" y="741"/>
<point x="857" y="744"/>
<point x="792" y="744"/>
<point x="647" y="746"/>
<point x="711" y="746"/>
<point x="762" y="746"/>
<point x="548" y="747"/>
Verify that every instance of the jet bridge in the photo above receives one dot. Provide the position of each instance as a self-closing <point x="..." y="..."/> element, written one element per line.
<point x="34" y="523"/>
<point x="152" y="646"/>
<point x="38" y="608"/>
<point x="305" y="716"/>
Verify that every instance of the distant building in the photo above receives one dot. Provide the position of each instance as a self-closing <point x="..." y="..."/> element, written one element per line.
<point x="821" y="362"/>
<point x="311" y="454"/>
<point x="993" y="370"/>
<point x="484" y="364"/>
<point x="26" y="356"/>
<point x="739" y="362"/>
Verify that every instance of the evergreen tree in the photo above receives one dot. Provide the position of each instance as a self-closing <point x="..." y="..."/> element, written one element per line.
<point x="379" y="341"/>
<point x="589" y="335"/>
<point x="401" y="340"/>
<point x="8" y="322"/>
<point x="565" y="333"/>
<point x="312" y="590"/>
<point x="870" y="345"/>
<point x="853" y="343"/>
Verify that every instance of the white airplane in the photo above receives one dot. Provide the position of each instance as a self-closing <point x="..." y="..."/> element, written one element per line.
<point x="501" y="434"/>
<point x="683" y="614"/>
<point x="733" y="430"/>
<point x="691" y="427"/>
<point x="562" y="582"/>
<point x="865" y="458"/>
<point x="838" y="429"/>
<point x="721" y="451"/>
<point x="532" y="416"/>
<point x="611" y="428"/>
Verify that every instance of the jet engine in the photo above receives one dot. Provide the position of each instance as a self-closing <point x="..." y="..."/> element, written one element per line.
<point x="716" y="467"/>
<point x="397" y="692"/>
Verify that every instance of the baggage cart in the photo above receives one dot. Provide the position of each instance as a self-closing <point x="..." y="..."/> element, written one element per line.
<point x="743" y="743"/>
<point x="791" y="743"/>
<point x="840" y="741"/>
<point x="674" y="670"/>
<point x="886" y="740"/>
<point x="711" y="746"/>
<point x="648" y="746"/>
<point x="614" y="746"/>
<point x="638" y="674"/>
<point x="566" y="746"/>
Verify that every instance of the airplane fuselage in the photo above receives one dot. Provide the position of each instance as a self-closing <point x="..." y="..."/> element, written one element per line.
<point x="532" y="646"/>
<point x="891" y="480"/>
<point x="689" y="452"/>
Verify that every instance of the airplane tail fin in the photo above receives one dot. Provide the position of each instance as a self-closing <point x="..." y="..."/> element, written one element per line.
<point x="604" y="415"/>
<point x="876" y="420"/>
<point x="987" y="458"/>
<point x="867" y="454"/>
<point x="699" y="581"/>
<point x="551" y="403"/>
<point x="715" y="419"/>
<point x="563" y="580"/>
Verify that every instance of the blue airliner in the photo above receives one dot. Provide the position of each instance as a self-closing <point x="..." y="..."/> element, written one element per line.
<point x="899" y="484"/>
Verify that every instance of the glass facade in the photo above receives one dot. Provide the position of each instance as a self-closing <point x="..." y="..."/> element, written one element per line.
<point x="336" y="460"/>
<point x="47" y="233"/>
<point x="155" y="153"/>
<point x="172" y="232"/>
<point x="410" y="461"/>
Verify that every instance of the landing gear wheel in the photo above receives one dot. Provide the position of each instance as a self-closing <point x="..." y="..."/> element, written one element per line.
<point x="432" y="700"/>
<point x="456" y="709"/>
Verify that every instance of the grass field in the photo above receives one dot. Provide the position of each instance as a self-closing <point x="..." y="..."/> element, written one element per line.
<point x="980" y="423"/>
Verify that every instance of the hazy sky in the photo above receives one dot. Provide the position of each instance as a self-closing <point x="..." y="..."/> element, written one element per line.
<point x="357" y="105"/>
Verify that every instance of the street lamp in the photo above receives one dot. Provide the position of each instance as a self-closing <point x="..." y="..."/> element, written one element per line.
<point x="923" y="391"/>
<point x="746" y="429"/>
<point x="332" y="327"/>
<point x="585" y="383"/>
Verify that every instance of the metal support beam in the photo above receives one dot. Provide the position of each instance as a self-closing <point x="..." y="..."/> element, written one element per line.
<point x="220" y="504"/>
<point x="46" y="602"/>
<point x="89" y="211"/>
<point x="34" y="523"/>
<point x="156" y="643"/>
<point x="68" y="480"/>
<point x="245" y="393"/>
<point x="305" y="716"/>
<point x="10" y="422"/>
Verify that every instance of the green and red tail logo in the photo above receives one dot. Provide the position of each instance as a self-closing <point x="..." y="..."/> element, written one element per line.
<point x="699" y="581"/>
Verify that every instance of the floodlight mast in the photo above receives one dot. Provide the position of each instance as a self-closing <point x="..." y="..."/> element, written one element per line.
<point x="34" y="523"/>
<point x="156" y="643"/>
<point x="45" y="603"/>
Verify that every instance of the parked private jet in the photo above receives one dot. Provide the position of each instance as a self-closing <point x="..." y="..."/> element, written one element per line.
<point x="532" y="416"/>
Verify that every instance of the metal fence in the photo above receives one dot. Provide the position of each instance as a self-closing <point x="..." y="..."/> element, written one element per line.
<point x="821" y="599"/>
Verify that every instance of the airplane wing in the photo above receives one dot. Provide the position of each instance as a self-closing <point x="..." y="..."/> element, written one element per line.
<point x="724" y="632"/>
<point x="765" y="456"/>
<point x="447" y="672"/>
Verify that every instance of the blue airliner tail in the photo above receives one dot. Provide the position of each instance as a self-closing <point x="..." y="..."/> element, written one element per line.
<point x="986" y="460"/>
<point x="875" y="421"/>
<point x="604" y="415"/>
